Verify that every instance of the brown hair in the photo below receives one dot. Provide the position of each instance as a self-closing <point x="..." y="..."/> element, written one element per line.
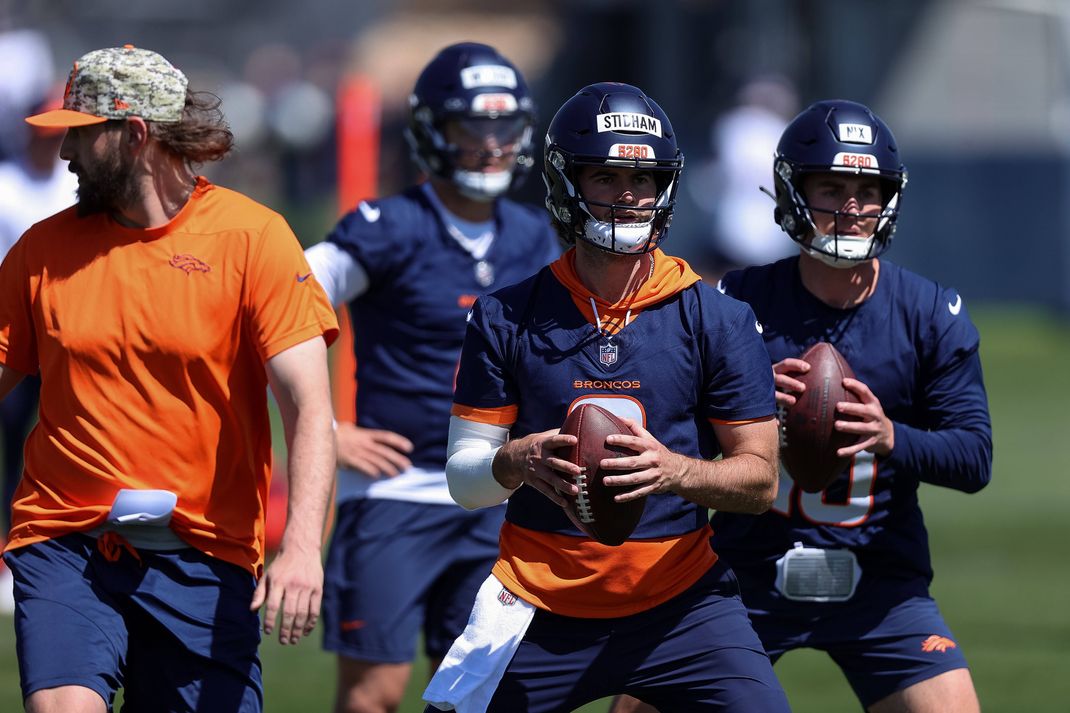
<point x="201" y="135"/>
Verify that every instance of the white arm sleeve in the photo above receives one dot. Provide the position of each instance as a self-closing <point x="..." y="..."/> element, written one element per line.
<point x="342" y="277"/>
<point x="469" y="464"/>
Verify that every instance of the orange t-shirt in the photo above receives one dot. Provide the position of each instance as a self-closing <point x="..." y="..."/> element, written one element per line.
<point x="151" y="346"/>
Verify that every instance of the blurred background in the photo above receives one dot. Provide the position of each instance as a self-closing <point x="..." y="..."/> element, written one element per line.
<point x="976" y="91"/>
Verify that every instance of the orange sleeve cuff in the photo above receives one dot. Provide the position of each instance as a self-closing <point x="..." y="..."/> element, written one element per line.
<point x="500" y="416"/>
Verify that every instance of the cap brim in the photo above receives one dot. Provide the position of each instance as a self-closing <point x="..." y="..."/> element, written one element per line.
<point x="63" y="118"/>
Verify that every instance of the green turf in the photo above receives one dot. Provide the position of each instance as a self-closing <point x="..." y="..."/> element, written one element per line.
<point x="1001" y="574"/>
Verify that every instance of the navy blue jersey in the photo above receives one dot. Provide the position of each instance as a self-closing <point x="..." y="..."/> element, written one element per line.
<point x="913" y="344"/>
<point x="409" y="324"/>
<point x="690" y="356"/>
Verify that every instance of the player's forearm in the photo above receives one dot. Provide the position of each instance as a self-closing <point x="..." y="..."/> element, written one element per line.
<point x="960" y="459"/>
<point x="952" y="446"/>
<point x="742" y="483"/>
<point x="509" y="464"/>
<point x="311" y="464"/>
<point x="298" y="378"/>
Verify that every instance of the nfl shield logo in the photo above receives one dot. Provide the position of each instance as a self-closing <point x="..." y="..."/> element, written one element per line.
<point x="607" y="354"/>
<point x="506" y="597"/>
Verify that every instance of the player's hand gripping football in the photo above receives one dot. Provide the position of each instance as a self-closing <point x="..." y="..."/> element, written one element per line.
<point x="654" y="468"/>
<point x="878" y="434"/>
<point x="786" y="386"/>
<point x="531" y="460"/>
<point x="375" y="453"/>
<point x="874" y="427"/>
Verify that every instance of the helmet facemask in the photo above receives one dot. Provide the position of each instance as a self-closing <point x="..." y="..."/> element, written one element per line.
<point x="843" y="250"/>
<point x="483" y="139"/>
<point x="574" y="210"/>
<point x="839" y="249"/>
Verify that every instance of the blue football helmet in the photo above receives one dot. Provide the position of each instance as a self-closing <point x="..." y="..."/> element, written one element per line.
<point x="474" y="85"/>
<point x="616" y="125"/>
<point x="837" y="136"/>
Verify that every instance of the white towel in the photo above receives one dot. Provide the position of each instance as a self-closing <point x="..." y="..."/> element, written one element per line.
<point x="473" y="667"/>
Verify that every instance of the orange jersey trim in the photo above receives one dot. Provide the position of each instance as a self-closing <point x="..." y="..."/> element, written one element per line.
<point x="579" y="577"/>
<point x="499" y="416"/>
<point x="671" y="275"/>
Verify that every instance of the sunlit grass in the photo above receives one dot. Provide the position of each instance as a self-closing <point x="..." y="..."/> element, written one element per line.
<point x="999" y="555"/>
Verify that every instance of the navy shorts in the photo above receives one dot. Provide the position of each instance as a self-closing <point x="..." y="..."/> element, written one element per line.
<point x="173" y="630"/>
<point x="395" y="568"/>
<point x="888" y="636"/>
<point x="696" y="652"/>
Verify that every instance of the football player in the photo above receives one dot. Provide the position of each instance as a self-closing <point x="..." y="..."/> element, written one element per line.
<point x="564" y="620"/>
<point x="404" y="557"/>
<point x="847" y="570"/>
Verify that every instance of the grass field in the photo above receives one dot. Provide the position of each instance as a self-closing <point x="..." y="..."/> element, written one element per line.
<point x="1001" y="570"/>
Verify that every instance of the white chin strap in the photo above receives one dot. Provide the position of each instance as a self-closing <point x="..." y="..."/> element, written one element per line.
<point x="624" y="238"/>
<point x="480" y="186"/>
<point x="842" y="251"/>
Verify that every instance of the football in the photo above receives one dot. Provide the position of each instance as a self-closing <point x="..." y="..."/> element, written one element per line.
<point x="809" y="439"/>
<point x="594" y="509"/>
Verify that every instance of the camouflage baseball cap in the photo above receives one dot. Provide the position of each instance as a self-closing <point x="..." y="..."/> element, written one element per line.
<point x="115" y="83"/>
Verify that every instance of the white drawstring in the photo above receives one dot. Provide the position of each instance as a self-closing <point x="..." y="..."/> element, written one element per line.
<point x="627" y="315"/>
<point x="598" y="320"/>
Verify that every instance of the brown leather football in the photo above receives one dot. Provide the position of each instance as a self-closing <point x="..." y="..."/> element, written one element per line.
<point x="809" y="437"/>
<point x="594" y="509"/>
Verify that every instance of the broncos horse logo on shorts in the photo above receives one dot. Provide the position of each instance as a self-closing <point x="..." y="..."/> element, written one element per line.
<point x="937" y="643"/>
